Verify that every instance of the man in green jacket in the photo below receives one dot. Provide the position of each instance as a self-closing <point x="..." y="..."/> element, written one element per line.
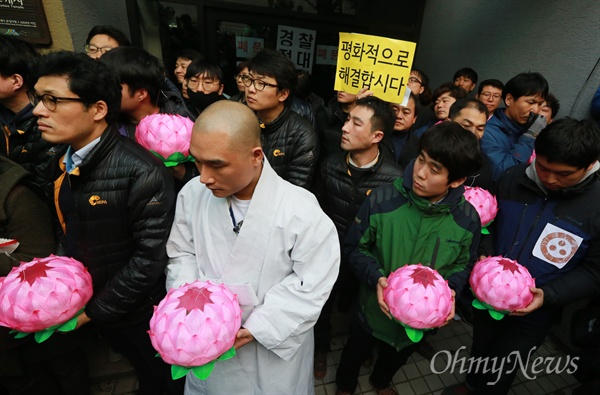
<point x="421" y="218"/>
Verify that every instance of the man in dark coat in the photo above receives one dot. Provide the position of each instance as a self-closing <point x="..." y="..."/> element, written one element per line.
<point x="114" y="202"/>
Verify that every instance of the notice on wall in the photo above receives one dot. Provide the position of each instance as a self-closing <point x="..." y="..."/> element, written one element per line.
<point x="326" y="54"/>
<point x="25" y="19"/>
<point x="298" y="45"/>
<point x="378" y="63"/>
<point x="246" y="47"/>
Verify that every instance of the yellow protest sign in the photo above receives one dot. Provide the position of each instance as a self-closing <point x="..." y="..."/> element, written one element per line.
<point x="379" y="63"/>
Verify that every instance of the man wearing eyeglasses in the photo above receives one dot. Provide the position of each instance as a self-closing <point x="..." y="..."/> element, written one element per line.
<point x="203" y="80"/>
<point x="289" y="141"/>
<point x="490" y="94"/>
<point x="104" y="38"/>
<point x="114" y="202"/>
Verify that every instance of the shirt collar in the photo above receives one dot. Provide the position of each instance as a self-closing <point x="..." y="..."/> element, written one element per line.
<point x="73" y="159"/>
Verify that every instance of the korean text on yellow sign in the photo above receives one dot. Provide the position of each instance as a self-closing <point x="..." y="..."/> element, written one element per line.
<point x="378" y="63"/>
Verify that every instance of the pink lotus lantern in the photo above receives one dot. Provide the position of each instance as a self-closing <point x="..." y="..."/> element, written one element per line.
<point x="485" y="204"/>
<point x="501" y="286"/>
<point x="167" y="136"/>
<point x="194" y="325"/>
<point x="44" y="295"/>
<point x="419" y="298"/>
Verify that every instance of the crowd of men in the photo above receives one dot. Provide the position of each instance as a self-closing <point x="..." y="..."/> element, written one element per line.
<point x="299" y="206"/>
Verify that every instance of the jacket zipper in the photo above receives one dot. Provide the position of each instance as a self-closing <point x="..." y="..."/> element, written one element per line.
<point x="435" y="253"/>
<point x="533" y="225"/>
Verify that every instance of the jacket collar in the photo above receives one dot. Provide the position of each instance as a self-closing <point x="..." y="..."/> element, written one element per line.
<point x="531" y="181"/>
<point x="109" y="138"/>
<point x="22" y="120"/>
<point x="268" y="128"/>
<point x="509" y="126"/>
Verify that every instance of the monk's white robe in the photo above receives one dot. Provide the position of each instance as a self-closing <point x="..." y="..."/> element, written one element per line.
<point x="282" y="266"/>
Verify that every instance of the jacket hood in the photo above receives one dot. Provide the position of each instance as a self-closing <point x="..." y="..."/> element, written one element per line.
<point x="449" y="203"/>
<point x="22" y="120"/>
<point x="533" y="182"/>
<point x="11" y="174"/>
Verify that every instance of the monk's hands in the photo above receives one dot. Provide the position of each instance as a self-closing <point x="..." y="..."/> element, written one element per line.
<point x="381" y="284"/>
<point x="452" y="310"/>
<point x="242" y="338"/>
<point x="536" y="303"/>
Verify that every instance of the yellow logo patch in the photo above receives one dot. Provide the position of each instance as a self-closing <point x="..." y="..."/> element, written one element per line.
<point x="278" y="152"/>
<point x="95" y="199"/>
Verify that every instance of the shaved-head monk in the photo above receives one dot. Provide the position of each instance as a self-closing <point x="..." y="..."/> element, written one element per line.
<point x="267" y="240"/>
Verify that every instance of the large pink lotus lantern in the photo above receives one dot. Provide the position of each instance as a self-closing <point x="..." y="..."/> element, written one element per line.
<point x="419" y="298"/>
<point x="44" y="295"/>
<point x="194" y="325"/>
<point x="501" y="286"/>
<point x="167" y="136"/>
<point x="484" y="202"/>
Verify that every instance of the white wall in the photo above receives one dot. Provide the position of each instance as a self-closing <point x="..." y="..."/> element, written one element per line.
<point x="501" y="38"/>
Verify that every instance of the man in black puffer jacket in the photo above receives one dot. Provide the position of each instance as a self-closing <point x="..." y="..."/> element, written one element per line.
<point x="346" y="179"/>
<point x="289" y="141"/>
<point x="115" y="203"/>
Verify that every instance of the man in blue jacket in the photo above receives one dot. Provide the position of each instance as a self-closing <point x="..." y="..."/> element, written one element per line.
<point x="511" y="131"/>
<point x="548" y="221"/>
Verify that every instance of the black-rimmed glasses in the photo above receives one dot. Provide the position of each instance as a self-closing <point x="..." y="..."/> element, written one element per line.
<point x="414" y="79"/>
<point x="92" y="49"/>
<point x="259" y="85"/>
<point x="49" y="101"/>
<point x="194" y="83"/>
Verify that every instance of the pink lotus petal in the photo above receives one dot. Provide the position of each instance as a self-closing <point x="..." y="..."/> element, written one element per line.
<point x="165" y="134"/>
<point x="418" y="296"/>
<point x="43" y="293"/>
<point x="195" y="323"/>
<point x="502" y="283"/>
<point x="484" y="202"/>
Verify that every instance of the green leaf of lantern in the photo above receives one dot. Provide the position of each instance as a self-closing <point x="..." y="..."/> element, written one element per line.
<point x="415" y="335"/>
<point x="178" y="372"/>
<point x="478" y="305"/>
<point x="69" y="325"/>
<point x="20" y="335"/>
<point x="174" y="159"/>
<point x="227" y="354"/>
<point x="43" y="335"/>
<point x="202" y="372"/>
<point x="497" y="315"/>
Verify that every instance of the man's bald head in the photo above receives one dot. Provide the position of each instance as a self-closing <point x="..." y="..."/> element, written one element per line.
<point x="234" y="119"/>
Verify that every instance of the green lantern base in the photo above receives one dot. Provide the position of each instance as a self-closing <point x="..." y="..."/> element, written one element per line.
<point x="203" y="371"/>
<point x="174" y="159"/>
<point x="495" y="314"/>
<point x="44" y="334"/>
